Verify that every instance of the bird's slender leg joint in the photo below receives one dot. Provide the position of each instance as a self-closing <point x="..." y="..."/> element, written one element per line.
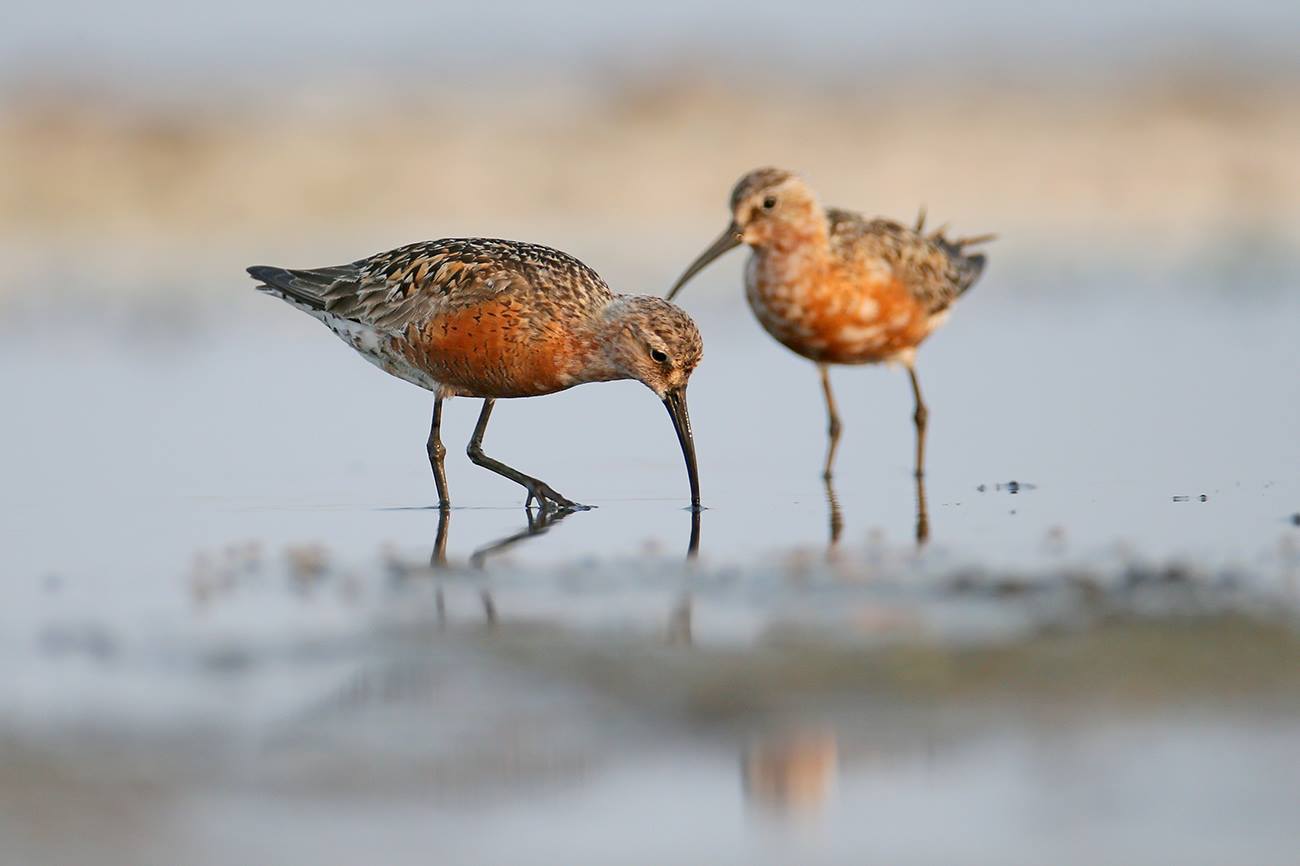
<point x="833" y="427"/>
<point x="546" y="496"/>
<point x="921" y="416"/>
<point x="437" y="451"/>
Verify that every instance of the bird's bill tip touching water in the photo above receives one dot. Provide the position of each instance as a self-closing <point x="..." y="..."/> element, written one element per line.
<point x="676" y="403"/>
<point x="728" y="240"/>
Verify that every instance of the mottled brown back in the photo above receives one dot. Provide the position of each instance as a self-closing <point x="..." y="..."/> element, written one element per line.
<point x="934" y="269"/>
<point x="413" y="283"/>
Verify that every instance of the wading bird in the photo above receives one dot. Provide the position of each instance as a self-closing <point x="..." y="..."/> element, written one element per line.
<point x="837" y="288"/>
<point x="478" y="317"/>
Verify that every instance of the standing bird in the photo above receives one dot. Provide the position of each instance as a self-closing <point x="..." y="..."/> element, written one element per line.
<point x="838" y="288"/>
<point x="478" y="317"/>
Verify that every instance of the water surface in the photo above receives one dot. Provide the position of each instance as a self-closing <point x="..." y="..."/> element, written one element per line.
<point x="224" y="639"/>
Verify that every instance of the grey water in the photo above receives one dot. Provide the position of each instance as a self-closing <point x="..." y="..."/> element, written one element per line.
<point x="223" y="639"/>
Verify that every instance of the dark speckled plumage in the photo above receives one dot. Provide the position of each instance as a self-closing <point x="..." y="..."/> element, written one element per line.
<point x="482" y="317"/>
<point x="420" y="281"/>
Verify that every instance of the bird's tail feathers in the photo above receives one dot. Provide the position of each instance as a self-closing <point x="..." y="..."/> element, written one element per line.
<point x="969" y="265"/>
<point x="302" y="288"/>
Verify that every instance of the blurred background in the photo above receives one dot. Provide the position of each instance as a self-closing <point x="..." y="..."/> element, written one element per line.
<point x="1159" y="135"/>
<point x="235" y="630"/>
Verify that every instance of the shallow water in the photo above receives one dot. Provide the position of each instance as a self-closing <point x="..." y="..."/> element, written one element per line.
<point x="220" y="600"/>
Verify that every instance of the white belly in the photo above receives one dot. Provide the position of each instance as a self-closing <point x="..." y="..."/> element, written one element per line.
<point x="376" y="347"/>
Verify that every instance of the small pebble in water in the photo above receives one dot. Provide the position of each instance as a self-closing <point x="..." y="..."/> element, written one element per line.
<point x="1204" y="498"/>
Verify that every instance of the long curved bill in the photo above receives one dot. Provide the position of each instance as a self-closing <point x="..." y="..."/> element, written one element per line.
<point x="728" y="240"/>
<point x="676" y="403"/>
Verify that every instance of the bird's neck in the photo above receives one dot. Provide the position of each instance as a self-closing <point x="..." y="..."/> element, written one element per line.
<point x="796" y="245"/>
<point x="596" y="344"/>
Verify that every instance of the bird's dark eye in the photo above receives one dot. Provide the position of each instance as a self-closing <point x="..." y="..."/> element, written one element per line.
<point x="769" y="202"/>
<point x="659" y="355"/>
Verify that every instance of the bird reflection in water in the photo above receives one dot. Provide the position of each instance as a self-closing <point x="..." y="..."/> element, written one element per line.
<point x="791" y="773"/>
<point x="922" y="513"/>
<point x="837" y="514"/>
<point x="539" y="522"/>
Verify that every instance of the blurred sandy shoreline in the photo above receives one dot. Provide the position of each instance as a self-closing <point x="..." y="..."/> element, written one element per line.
<point x="1160" y="169"/>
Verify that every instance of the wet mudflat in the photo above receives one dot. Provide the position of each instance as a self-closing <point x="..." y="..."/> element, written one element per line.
<point x="233" y="632"/>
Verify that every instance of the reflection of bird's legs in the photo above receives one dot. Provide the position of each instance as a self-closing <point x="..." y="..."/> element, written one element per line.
<point x="922" y="515"/>
<point x="920" y="417"/>
<point x="833" y="417"/>
<point x="837" y="518"/>
<point x="436" y="454"/>
<point x="538" y="524"/>
<point x="438" y="559"/>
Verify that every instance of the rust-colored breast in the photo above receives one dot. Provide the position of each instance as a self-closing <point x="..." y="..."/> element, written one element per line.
<point x="875" y="318"/>
<point x="494" y="349"/>
<point x="839" y="314"/>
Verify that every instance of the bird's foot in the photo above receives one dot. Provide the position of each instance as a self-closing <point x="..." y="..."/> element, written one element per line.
<point x="548" y="499"/>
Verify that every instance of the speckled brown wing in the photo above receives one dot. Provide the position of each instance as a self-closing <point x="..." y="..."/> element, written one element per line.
<point x="935" y="270"/>
<point x="418" y="282"/>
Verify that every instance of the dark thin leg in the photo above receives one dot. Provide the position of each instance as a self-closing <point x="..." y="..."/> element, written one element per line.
<point x="921" y="416"/>
<point x="436" y="453"/>
<point x="546" y="497"/>
<point x="833" y="416"/>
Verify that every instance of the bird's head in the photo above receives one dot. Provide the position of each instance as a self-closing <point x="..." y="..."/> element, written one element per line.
<point x="657" y="343"/>
<point x="654" y="342"/>
<point x="769" y="202"/>
<point x="768" y="205"/>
